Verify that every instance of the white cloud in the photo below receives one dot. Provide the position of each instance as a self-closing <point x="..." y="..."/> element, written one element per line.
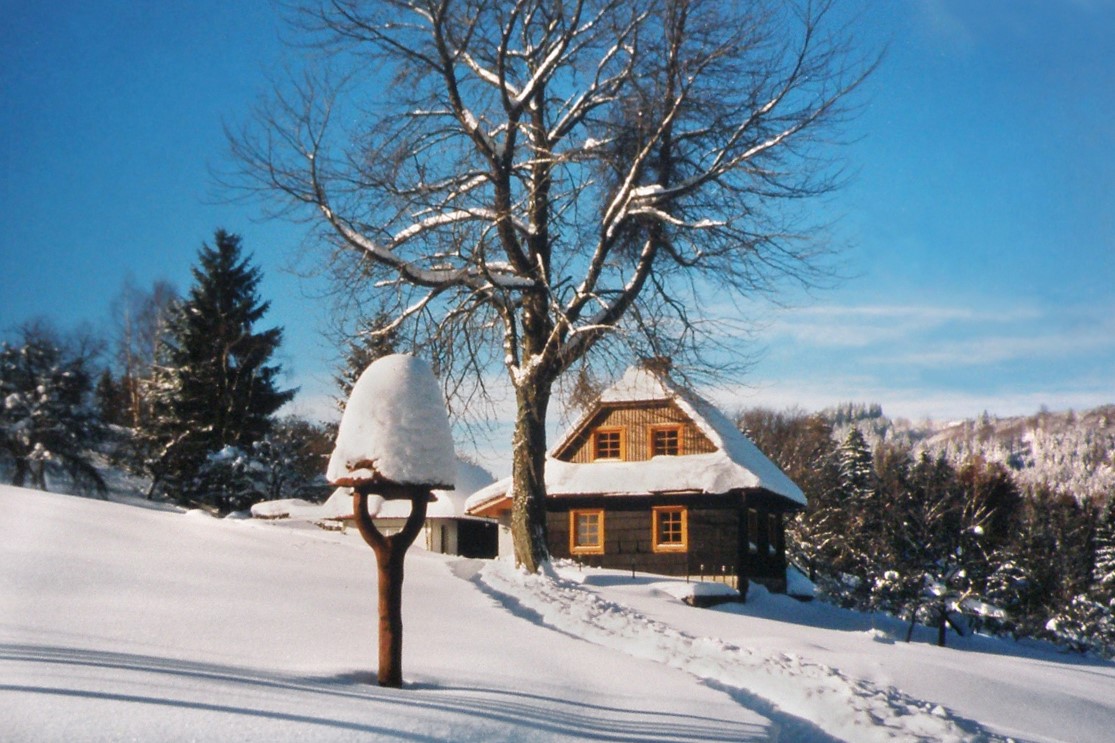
<point x="851" y="326"/>
<point x="939" y="335"/>
<point x="939" y="361"/>
<point x="987" y="350"/>
<point x="864" y="325"/>
<point x="914" y="403"/>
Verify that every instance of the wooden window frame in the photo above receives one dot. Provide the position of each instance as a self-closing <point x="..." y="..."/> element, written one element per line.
<point x="589" y="549"/>
<point x="656" y="514"/>
<point x="622" y="432"/>
<point x="655" y="429"/>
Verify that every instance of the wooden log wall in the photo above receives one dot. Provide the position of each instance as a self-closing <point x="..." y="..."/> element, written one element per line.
<point x="628" y="541"/>
<point x="718" y="538"/>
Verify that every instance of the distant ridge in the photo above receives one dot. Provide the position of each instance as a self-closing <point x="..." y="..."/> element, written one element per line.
<point x="1071" y="451"/>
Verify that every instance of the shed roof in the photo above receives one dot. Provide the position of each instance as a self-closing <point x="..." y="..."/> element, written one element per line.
<point x="447" y="504"/>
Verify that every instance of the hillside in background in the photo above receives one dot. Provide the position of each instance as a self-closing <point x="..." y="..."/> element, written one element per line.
<point x="1073" y="452"/>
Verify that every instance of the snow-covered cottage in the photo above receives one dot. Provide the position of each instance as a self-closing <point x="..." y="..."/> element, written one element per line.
<point x="655" y="478"/>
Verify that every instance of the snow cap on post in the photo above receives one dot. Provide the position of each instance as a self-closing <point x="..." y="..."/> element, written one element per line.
<point x="395" y="429"/>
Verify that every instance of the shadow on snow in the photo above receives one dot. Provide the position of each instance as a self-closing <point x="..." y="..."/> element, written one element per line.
<point x="494" y="713"/>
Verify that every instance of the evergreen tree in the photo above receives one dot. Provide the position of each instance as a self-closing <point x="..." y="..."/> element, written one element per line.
<point x="856" y="470"/>
<point x="1103" y="573"/>
<point x="895" y="583"/>
<point x="1046" y="564"/>
<point x="47" y="419"/>
<point x="289" y="462"/>
<point x="1084" y="625"/>
<point x="990" y="488"/>
<point x="856" y="494"/>
<point x="943" y="529"/>
<point x="213" y="385"/>
<point x="1087" y="623"/>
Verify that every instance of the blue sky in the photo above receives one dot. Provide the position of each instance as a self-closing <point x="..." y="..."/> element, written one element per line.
<point x="980" y="218"/>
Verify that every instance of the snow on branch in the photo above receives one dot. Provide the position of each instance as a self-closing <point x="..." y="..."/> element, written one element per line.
<point x="476" y="276"/>
<point x="451" y="217"/>
<point x="489" y="77"/>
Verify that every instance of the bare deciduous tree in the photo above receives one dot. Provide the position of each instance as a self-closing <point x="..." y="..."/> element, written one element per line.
<point x="141" y="321"/>
<point x="522" y="179"/>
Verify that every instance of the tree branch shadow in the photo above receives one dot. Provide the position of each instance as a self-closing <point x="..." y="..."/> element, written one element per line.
<point x="347" y="702"/>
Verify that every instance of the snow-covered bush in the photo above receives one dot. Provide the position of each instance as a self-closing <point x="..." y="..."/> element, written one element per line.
<point x="47" y="422"/>
<point x="1085" y="625"/>
<point x="287" y="463"/>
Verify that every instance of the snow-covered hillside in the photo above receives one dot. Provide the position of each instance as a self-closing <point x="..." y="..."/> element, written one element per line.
<point x="119" y="622"/>
<point x="1074" y="452"/>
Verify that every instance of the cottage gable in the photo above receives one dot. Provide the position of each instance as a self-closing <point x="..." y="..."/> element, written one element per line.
<point x="634" y="432"/>
<point x="722" y="459"/>
<point x="611" y="451"/>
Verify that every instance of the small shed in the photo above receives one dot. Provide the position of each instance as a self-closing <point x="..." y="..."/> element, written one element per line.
<point x="448" y="529"/>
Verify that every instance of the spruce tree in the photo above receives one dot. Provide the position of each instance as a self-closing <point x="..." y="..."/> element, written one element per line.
<point x="857" y="473"/>
<point x="1103" y="572"/>
<point x="855" y="495"/>
<point x="373" y="340"/>
<point x="214" y="386"/>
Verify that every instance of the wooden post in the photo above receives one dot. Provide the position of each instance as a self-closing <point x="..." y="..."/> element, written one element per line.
<point x="390" y="553"/>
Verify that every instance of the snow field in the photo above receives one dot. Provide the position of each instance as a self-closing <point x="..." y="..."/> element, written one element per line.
<point x="119" y="622"/>
<point x="815" y="694"/>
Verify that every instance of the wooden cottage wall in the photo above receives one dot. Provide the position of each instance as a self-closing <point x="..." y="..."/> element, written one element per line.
<point x="719" y="543"/>
<point x="637" y="423"/>
<point x="713" y="525"/>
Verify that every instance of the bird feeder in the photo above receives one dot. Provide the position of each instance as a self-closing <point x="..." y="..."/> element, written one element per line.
<point x="394" y="443"/>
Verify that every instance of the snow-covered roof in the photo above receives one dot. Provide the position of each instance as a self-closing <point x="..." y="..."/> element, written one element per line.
<point x="737" y="464"/>
<point x="395" y="428"/>
<point x="447" y="504"/>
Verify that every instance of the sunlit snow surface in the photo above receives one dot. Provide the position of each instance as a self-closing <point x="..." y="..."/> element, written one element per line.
<point x="119" y="622"/>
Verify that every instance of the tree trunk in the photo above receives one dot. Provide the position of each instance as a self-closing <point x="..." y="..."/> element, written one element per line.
<point x="528" y="473"/>
<point x="913" y="622"/>
<point x="19" y="478"/>
<point x="153" y="487"/>
<point x="38" y="475"/>
<point x="942" y="626"/>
